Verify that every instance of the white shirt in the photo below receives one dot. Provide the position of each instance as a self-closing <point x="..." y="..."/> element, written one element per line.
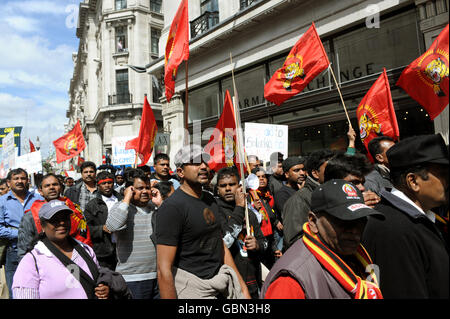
<point x="110" y="201"/>
<point x="402" y="196"/>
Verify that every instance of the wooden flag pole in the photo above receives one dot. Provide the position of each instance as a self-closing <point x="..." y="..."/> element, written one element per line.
<point x="239" y="145"/>
<point x="186" y="108"/>
<point x="342" y="99"/>
<point x="135" y="159"/>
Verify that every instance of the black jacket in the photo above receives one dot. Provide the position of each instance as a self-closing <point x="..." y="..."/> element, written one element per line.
<point x="249" y="267"/>
<point x="73" y="193"/>
<point x="275" y="183"/>
<point x="409" y="250"/>
<point x="295" y="212"/>
<point x="96" y="213"/>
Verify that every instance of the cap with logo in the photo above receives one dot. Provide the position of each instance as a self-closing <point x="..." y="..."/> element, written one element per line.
<point x="49" y="209"/>
<point x="190" y="154"/>
<point x="342" y="200"/>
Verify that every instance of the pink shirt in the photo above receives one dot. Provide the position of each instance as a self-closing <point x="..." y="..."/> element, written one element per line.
<point x="54" y="280"/>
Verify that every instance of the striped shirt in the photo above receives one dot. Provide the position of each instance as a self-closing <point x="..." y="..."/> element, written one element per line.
<point x="136" y="252"/>
<point x="86" y="196"/>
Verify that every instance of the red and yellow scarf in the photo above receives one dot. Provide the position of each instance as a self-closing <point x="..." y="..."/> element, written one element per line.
<point x="353" y="284"/>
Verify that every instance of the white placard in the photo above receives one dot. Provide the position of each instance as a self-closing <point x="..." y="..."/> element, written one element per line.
<point x="8" y="143"/>
<point x="264" y="139"/>
<point x="121" y="156"/>
<point x="31" y="162"/>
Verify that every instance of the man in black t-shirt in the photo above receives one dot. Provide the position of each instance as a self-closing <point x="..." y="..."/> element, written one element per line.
<point x="189" y="236"/>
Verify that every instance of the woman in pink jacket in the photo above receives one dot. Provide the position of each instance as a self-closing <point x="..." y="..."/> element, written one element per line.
<point x="59" y="267"/>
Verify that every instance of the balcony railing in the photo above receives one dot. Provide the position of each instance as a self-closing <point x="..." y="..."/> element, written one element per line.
<point x="247" y="3"/>
<point x="122" y="98"/>
<point x="204" y="22"/>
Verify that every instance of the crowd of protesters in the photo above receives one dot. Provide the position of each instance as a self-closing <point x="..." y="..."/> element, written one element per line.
<point x="327" y="225"/>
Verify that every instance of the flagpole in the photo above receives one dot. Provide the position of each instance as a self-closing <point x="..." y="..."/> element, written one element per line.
<point x="239" y="145"/>
<point x="186" y="107"/>
<point x="340" y="94"/>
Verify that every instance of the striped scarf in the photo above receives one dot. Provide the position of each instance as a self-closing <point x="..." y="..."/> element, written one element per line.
<point x="357" y="287"/>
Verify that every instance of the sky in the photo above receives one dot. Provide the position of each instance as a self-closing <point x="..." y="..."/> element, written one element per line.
<point x="36" y="66"/>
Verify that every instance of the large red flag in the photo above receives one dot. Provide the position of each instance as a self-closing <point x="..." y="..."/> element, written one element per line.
<point x="32" y="148"/>
<point x="143" y="144"/>
<point x="223" y="145"/>
<point x="426" y="79"/>
<point x="305" y="61"/>
<point x="177" y="47"/>
<point x="70" y="144"/>
<point x="376" y="114"/>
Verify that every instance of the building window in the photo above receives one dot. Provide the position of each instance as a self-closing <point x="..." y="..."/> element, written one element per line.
<point x="157" y="87"/>
<point x="209" y="17"/>
<point x="121" y="4"/>
<point x="250" y="84"/>
<point x="122" y="90"/>
<point x="246" y="3"/>
<point x="204" y="102"/>
<point x="364" y="51"/>
<point x="121" y="39"/>
<point x="209" y="5"/>
<point x="155" y="34"/>
<point x="155" y="5"/>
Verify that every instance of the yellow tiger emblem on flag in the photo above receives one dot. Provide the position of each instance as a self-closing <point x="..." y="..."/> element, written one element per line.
<point x="436" y="71"/>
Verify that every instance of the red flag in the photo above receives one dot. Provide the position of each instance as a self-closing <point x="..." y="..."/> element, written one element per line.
<point x="426" y="79"/>
<point x="222" y="146"/>
<point x="177" y="47"/>
<point x="143" y="144"/>
<point x="32" y="148"/>
<point x="70" y="144"/>
<point x="306" y="60"/>
<point x="376" y="114"/>
<point x="80" y="161"/>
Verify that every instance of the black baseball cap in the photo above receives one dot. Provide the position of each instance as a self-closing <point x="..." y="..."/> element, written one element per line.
<point x="417" y="150"/>
<point x="342" y="200"/>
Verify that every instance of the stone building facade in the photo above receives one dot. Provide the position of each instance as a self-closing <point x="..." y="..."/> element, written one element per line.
<point x="106" y="95"/>
<point x="361" y="37"/>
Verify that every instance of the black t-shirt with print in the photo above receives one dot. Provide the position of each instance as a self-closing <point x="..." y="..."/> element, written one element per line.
<point x="193" y="225"/>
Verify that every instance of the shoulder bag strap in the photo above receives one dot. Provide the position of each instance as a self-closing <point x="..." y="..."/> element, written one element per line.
<point x="85" y="280"/>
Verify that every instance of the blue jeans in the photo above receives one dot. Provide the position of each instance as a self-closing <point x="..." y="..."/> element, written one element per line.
<point x="11" y="263"/>
<point x="145" y="289"/>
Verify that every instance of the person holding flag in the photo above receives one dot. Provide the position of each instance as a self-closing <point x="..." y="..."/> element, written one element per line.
<point x="222" y="146"/>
